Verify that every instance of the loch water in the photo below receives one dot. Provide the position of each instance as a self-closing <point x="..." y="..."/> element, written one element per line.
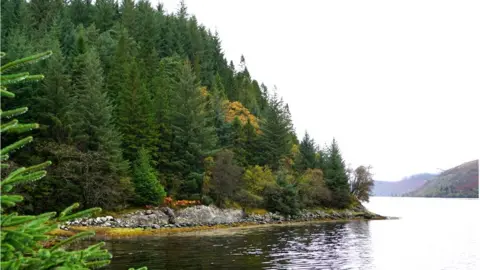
<point x="437" y="234"/>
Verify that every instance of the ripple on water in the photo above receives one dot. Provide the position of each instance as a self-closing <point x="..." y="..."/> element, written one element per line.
<point x="407" y="243"/>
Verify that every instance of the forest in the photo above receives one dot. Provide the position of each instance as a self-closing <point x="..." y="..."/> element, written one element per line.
<point x="138" y="104"/>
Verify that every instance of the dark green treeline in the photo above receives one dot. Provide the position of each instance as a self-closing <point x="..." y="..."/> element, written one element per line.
<point x="138" y="104"/>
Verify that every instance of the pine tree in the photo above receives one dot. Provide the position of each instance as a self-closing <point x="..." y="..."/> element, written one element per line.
<point x="193" y="138"/>
<point x="81" y="12"/>
<point x="53" y="97"/>
<point x="307" y="156"/>
<point x="105" y="13"/>
<point x="124" y="55"/>
<point x="127" y="9"/>
<point x="135" y="115"/>
<point x="93" y="131"/>
<point x="24" y="238"/>
<point x="44" y="12"/>
<point x="336" y="177"/>
<point x="277" y="128"/>
<point x="238" y="141"/>
<point x="216" y="102"/>
<point x="146" y="36"/>
<point x="148" y="189"/>
<point x="251" y="143"/>
<point x="163" y="93"/>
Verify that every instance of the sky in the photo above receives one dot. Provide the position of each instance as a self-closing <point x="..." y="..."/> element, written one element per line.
<point x="396" y="83"/>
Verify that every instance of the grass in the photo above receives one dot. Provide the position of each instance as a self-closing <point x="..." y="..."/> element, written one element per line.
<point x="257" y="211"/>
<point x="107" y="232"/>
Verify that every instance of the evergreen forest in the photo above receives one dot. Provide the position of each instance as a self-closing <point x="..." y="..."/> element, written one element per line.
<point x="138" y="104"/>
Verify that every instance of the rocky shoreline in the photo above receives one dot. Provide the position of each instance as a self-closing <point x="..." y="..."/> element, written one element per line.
<point x="210" y="216"/>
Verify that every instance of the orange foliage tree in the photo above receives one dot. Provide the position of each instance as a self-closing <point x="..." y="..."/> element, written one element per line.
<point x="236" y="109"/>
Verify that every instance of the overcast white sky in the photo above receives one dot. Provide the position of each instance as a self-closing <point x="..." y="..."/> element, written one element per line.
<point x="395" y="82"/>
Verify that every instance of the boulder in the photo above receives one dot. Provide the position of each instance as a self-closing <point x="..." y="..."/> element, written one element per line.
<point x="209" y="214"/>
<point x="171" y="215"/>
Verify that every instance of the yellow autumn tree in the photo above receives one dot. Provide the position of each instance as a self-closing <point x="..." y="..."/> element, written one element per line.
<point x="236" y="109"/>
<point x="204" y="91"/>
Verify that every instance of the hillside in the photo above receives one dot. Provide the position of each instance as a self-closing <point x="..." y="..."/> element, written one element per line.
<point x="458" y="182"/>
<point x="408" y="184"/>
<point x="141" y="107"/>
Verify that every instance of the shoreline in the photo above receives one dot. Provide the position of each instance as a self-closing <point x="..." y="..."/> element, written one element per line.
<point x="252" y="221"/>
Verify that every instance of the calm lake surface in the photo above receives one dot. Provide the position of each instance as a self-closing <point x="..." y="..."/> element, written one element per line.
<point x="435" y="234"/>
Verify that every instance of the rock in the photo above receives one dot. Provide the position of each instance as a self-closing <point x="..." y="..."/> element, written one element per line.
<point x="209" y="214"/>
<point x="347" y="214"/>
<point x="171" y="215"/>
<point x="148" y="212"/>
<point x="140" y="220"/>
<point x="156" y="226"/>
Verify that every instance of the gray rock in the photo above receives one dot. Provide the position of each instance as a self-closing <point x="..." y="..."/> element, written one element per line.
<point x="170" y="213"/>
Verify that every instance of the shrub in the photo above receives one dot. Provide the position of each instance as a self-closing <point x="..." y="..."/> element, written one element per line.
<point x="226" y="178"/>
<point x="312" y="189"/>
<point x="282" y="199"/>
<point x="257" y="178"/>
<point x="147" y="187"/>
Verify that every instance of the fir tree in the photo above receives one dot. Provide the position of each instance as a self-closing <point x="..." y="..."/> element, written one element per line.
<point x="163" y="94"/>
<point x="238" y="141"/>
<point x="53" y="97"/>
<point x="217" y="100"/>
<point x="307" y="155"/>
<point x="135" y="115"/>
<point x="24" y="238"/>
<point x="276" y="132"/>
<point x="336" y="177"/>
<point x="105" y="13"/>
<point x="193" y="138"/>
<point x="123" y="57"/>
<point x="92" y="124"/>
<point x="148" y="189"/>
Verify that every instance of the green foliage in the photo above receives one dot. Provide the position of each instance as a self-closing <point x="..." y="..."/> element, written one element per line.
<point x="312" y="189"/>
<point x="277" y="129"/>
<point x="148" y="189"/>
<point x="126" y="76"/>
<point x="307" y="158"/>
<point x="135" y="115"/>
<point x="193" y="137"/>
<point x="257" y="178"/>
<point x="25" y="238"/>
<point x="336" y="177"/>
<point x="282" y="198"/>
<point x="226" y="178"/>
<point x="361" y="183"/>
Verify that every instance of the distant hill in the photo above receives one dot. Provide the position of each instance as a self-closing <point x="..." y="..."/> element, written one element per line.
<point x="398" y="188"/>
<point x="457" y="182"/>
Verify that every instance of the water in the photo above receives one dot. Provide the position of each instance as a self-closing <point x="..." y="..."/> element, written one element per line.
<point x="435" y="234"/>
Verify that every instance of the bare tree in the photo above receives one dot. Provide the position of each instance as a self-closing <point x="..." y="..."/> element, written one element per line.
<point x="361" y="183"/>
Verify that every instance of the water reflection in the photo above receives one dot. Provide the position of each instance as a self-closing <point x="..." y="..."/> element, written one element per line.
<point x="315" y="246"/>
<point x="425" y="237"/>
